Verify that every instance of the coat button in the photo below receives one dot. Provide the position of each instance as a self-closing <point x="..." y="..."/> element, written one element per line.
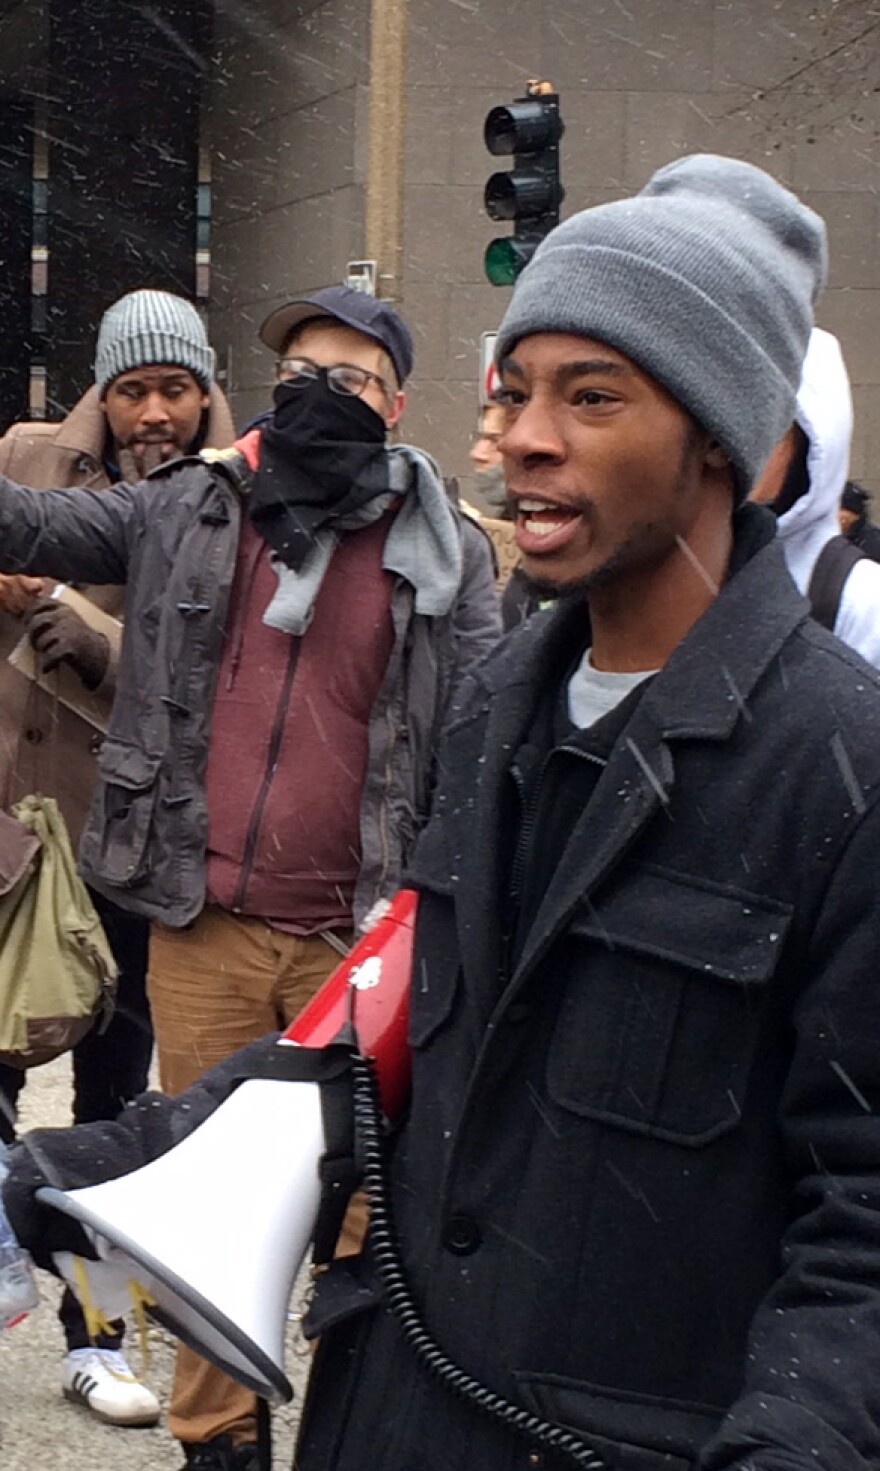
<point x="461" y="1235"/>
<point x="33" y="735"/>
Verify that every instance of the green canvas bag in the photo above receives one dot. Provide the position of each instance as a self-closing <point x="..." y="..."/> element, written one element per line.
<point x="57" y="972"/>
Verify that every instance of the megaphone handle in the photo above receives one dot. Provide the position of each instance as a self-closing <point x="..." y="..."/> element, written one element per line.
<point x="264" y="1434"/>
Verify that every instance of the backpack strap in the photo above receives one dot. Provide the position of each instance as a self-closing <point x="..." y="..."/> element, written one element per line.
<point x="833" y="566"/>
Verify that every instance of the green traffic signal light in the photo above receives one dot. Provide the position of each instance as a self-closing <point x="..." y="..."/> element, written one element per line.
<point x="506" y="257"/>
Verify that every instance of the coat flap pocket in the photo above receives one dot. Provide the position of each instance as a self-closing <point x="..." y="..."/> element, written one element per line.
<point x="430" y="867"/>
<point x="666" y="989"/>
<point x="116" y="841"/>
<point x="644" y="1430"/>
<point x="127" y="766"/>
<point x="711" y="928"/>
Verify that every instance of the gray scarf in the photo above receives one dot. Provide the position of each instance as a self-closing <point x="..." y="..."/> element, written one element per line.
<point x="423" y="546"/>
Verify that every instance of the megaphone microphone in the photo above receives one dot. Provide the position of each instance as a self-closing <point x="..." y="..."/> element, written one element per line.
<point x="216" y="1230"/>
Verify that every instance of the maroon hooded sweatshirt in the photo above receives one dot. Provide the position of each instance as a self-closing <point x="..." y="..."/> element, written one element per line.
<point x="287" y="757"/>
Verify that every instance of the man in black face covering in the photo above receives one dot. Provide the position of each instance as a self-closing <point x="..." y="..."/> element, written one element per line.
<point x="322" y="456"/>
<point x="298" y="611"/>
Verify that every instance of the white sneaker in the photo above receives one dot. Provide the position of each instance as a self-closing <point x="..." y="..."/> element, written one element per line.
<point x="100" y="1379"/>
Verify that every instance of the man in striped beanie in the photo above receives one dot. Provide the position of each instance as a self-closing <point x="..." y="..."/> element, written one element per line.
<point x="153" y="399"/>
<point x="155" y="327"/>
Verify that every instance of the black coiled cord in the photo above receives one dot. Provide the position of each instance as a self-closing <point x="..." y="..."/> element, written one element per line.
<point x="383" y="1242"/>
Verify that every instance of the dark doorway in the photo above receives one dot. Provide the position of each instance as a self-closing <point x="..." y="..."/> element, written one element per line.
<point x="124" y="100"/>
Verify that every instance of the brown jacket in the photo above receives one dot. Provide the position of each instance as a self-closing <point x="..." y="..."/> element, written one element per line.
<point x="43" y="745"/>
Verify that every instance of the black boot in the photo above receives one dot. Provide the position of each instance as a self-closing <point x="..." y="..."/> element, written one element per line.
<point x="220" y="1454"/>
<point x="247" y="1458"/>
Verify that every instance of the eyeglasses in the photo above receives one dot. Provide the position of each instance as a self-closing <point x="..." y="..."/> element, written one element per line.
<point x="344" y="379"/>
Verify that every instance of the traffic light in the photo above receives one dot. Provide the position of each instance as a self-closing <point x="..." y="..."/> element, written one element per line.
<point x="530" y="193"/>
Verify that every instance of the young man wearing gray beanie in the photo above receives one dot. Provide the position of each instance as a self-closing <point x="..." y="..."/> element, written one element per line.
<point x="154" y="398"/>
<point x="636" y="1194"/>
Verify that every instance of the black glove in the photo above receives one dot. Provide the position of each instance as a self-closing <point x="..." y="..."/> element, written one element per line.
<point x="60" y="636"/>
<point x="37" y="1227"/>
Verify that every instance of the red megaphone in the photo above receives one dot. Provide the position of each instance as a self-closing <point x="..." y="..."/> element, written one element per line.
<point x="370" y="990"/>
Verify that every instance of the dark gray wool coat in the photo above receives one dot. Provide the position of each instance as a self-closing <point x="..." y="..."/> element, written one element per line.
<point x="638" y="1187"/>
<point x="638" y="1190"/>
<point x="172" y="541"/>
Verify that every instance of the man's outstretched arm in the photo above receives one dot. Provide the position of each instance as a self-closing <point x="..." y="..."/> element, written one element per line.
<point x="71" y="535"/>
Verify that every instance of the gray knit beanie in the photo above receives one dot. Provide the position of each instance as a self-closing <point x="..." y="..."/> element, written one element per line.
<point x="147" y="328"/>
<point x="706" y="280"/>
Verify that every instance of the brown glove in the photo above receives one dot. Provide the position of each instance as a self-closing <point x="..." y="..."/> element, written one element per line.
<point x="136" y="462"/>
<point x="61" y="637"/>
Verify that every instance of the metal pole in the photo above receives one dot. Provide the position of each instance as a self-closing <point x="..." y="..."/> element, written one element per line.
<point x="385" y="144"/>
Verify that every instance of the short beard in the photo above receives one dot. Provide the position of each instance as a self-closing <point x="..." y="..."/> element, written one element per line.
<point x="619" y="563"/>
<point x="630" y="555"/>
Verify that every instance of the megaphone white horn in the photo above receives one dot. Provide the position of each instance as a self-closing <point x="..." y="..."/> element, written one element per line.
<point x="216" y="1229"/>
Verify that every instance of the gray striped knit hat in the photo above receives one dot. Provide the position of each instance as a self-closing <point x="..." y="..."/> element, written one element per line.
<point x="152" y="327"/>
<point x="706" y="280"/>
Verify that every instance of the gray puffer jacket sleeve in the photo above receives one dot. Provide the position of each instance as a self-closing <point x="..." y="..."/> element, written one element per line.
<point x="477" y="616"/>
<point x="72" y="535"/>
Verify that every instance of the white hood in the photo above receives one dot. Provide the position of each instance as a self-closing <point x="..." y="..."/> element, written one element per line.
<point x="824" y="412"/>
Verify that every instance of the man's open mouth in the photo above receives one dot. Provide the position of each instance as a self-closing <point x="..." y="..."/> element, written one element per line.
<point x="543" y="518"/>
<point x="543" y="526"/>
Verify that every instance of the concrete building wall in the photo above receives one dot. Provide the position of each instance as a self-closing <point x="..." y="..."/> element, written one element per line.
<point x="793" y="85"/>
<point x="286" y="120"/>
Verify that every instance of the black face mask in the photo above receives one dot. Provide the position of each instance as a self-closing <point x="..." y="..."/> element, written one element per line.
<point x="322" y="457"/>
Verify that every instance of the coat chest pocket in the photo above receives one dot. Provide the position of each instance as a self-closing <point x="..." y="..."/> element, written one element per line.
<point x="128" y="798"/>
<point x="664" y="991"/>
